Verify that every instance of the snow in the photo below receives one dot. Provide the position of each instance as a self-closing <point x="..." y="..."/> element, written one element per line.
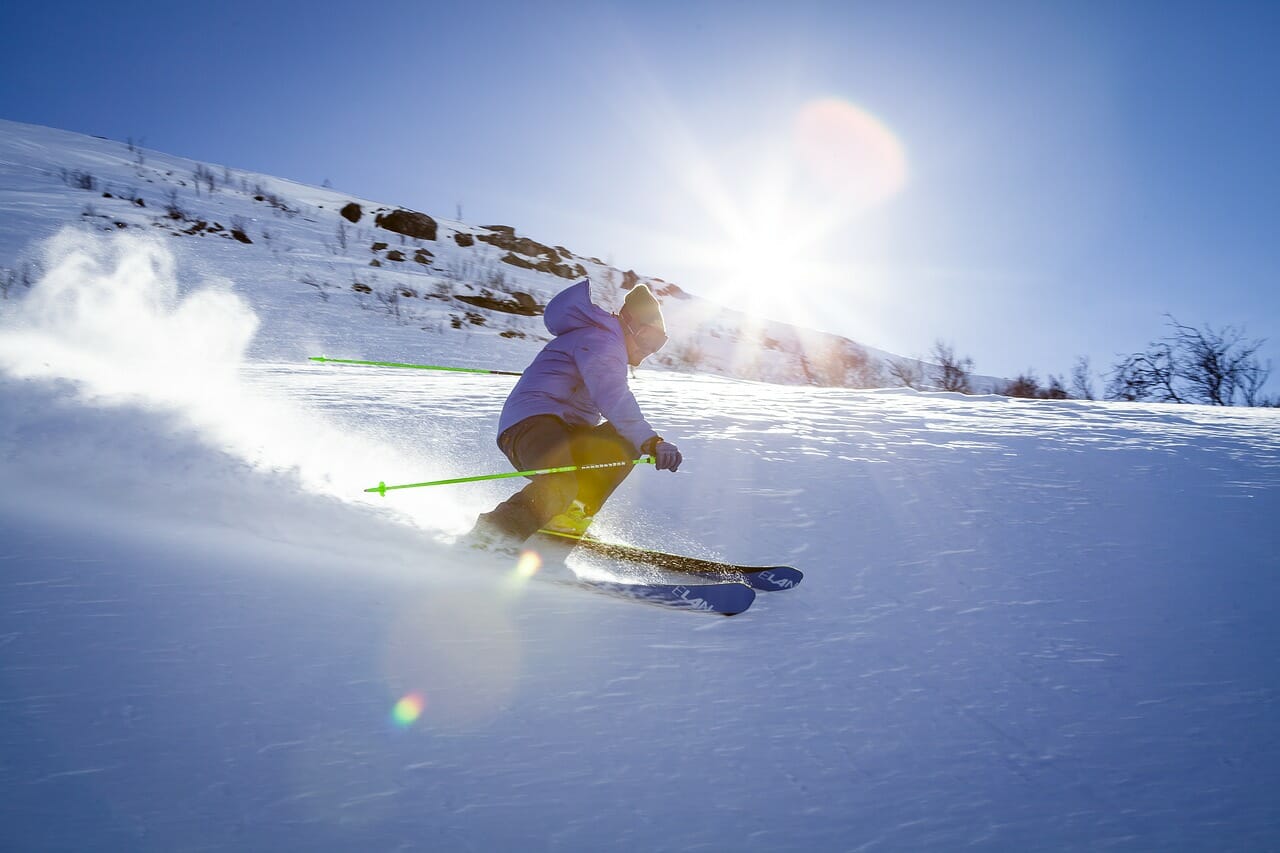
<point x="1025" y="625"/>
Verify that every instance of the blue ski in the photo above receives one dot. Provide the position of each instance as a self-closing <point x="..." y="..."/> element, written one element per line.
<point x="727" y="599"/>
<point x="765" y="578"/>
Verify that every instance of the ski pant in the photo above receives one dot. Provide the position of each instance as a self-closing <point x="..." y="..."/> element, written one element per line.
<point x="545" y="441"/>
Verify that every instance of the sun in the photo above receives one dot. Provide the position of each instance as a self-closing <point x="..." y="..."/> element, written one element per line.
<point x="778" y="210"/>
<point x="762" y="274"/>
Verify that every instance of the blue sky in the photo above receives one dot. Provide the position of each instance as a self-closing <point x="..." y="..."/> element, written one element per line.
<point x="1072" y="171"/>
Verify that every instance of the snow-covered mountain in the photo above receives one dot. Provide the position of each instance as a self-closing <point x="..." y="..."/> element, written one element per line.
<point x="1024" y="625"/>
<point x="309" y="257"/>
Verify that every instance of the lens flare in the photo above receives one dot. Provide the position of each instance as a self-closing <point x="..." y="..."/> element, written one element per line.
<point x="849" y="151"/>
<point x="516" y="581"/>
<point x="528" y="564"/>
<point x="407" y="711"/>
<point x="459" y="654"/>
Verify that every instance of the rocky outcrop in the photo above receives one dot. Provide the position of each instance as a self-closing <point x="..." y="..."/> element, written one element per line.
<point x="504" y="237"/>
<point x="529" y="254"/>
<point x="519" y="303"/>
<point x="545" y="265"/>
<point x="410" y="223"/>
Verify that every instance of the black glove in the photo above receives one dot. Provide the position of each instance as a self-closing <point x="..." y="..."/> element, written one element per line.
<point x="665" y="454"/>
<point x="668" y="456"/>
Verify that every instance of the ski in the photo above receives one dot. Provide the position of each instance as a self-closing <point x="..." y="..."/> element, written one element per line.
<point x="764" y="578"/>
<point x="726" y="599"/>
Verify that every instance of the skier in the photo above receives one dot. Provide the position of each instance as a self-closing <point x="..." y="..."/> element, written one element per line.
<point x="553" y="417"/>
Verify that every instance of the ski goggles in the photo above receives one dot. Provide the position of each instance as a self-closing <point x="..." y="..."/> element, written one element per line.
<point x="650" y="338"/>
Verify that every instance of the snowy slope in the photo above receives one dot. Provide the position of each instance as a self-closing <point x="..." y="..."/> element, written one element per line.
<point x="1025" y="625"/>
<point x="357" y="289"/>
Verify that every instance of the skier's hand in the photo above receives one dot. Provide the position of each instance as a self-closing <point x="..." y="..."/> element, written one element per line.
<point x="667" y="456"/>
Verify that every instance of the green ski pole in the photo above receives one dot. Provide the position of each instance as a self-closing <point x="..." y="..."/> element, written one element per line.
<point x="321" y="358"/>
<point x="383" y="488"/>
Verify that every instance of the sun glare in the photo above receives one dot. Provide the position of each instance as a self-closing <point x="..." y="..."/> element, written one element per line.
<point x="778" y="212"/>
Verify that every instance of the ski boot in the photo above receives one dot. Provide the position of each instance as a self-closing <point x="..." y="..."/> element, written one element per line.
<point x="571" y="523"/>
<point x="488" y="536"/>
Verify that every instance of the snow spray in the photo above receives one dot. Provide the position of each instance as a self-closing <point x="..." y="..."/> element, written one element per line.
<point x="111" y="316"/>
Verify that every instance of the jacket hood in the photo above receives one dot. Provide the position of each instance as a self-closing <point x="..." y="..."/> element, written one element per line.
<point x="572" y="309"/>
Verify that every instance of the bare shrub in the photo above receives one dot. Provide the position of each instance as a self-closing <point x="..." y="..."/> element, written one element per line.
<point x="129" y="194"/>
<point x="322" y="287"/>
<point x="135" y="148"/>
<point x="860" y="369"/>
<point x="1218" y="367"/>
<point x="493" y="276"/>
<point x="1023" y="385"/>
<point x="79" y="180"/>
<point x="1027" y="386"/>
<point x="1055" y="390"/>
<point x="389" y="300"/>
<point x="204" y="175"/>
<point x="273" y="199"/>
<point x="952" y="372"/>
<point x="1082" y="379"/>
<point x="172" y="207"/>
<point x="907" y="372"/>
